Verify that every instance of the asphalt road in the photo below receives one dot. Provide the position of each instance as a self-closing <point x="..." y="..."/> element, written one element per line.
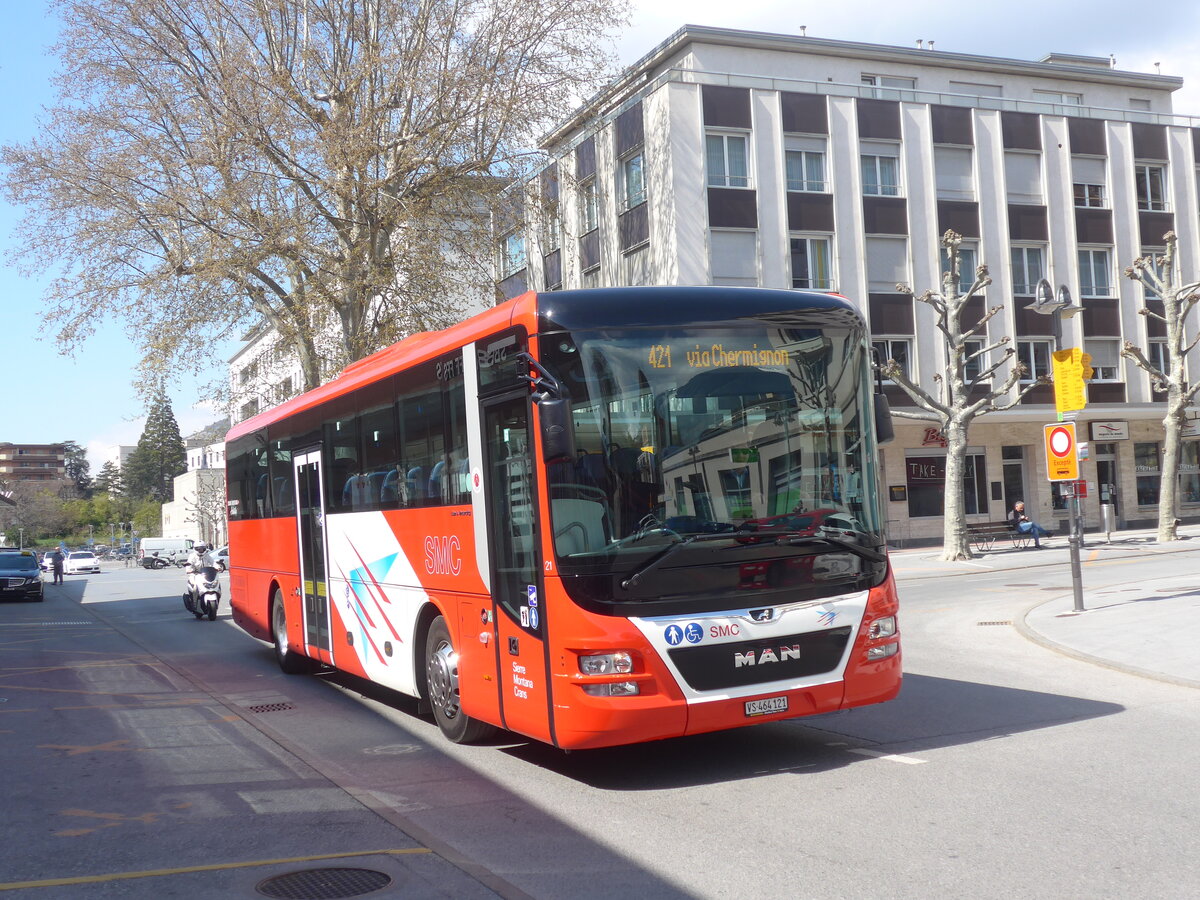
<point x="137" y="741"/>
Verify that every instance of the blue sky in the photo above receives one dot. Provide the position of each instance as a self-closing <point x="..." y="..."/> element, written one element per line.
<point x="90" y="397"/>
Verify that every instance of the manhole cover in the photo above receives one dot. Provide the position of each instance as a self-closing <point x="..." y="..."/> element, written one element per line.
<point x="324" y="884"/>
<point x="271" y="707"/>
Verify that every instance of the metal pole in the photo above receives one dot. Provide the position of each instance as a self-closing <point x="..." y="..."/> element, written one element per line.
<point x="1074" y="539"/>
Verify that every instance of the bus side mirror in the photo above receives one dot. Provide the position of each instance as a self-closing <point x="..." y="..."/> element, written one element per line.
<point x="885" y="432"/>
<point x="558" y="433"/>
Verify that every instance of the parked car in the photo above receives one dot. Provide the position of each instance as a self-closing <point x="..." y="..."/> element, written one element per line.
<point x="19" y="575"/>
<point x="80" y="561"/>
<point x="222" y="558"/>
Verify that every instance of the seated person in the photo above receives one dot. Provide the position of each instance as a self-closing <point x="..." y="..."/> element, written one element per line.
<point x="1026" y="525"/>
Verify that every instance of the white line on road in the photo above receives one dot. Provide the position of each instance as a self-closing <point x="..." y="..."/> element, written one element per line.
<point x="892" y="757"/>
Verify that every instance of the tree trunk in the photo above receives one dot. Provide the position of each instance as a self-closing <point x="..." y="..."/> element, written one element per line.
<point x="1168" y="488"/>
<point x="955" y="544"/>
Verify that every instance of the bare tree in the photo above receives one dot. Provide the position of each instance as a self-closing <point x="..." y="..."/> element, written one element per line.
<point x="957" y="400"/>
<point x="325" y="165"/>
<point x="1161" y="276"/>
<point x="206" y="508"/>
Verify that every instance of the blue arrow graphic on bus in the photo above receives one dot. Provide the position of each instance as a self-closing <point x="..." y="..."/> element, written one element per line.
<point x="674" y="635"/>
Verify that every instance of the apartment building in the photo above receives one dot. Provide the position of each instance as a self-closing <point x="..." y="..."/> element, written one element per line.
<point x="33" y="462"/>
<point x="739" y="158"/>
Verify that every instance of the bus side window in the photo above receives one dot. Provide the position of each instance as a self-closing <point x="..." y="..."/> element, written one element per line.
<point x="419" y="411"/>
<point x="281" y="479"/>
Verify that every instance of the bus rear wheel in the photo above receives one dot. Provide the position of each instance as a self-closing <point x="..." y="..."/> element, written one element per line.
<point x="289" y="660"/>
<point x="441" y="684"/>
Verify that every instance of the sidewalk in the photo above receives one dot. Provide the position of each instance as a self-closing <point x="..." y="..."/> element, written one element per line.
<point x="1152" y="629"/>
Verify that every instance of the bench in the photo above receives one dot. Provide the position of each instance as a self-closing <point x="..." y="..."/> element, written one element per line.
<point x="983" y="535"/>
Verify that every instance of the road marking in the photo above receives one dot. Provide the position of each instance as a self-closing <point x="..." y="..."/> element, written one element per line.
<point x="216" y="867"/>
<point x="75" y="750"/>
<point x="890" y="757"/>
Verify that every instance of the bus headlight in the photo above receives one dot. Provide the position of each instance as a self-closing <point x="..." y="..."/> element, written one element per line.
<point x="619" y="662"/>
<point x="882" y="628"/>
<point x="613" y="689"/>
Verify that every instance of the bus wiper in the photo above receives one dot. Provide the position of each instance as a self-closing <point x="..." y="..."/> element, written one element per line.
<point x="655" y="562"/>
<point x="799" y="540"/>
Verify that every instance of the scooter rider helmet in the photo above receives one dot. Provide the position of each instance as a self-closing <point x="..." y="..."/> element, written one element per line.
<point x="200" y="548"/>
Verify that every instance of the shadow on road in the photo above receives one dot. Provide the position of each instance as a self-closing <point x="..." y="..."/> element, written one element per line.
<point x="929" y="714"/>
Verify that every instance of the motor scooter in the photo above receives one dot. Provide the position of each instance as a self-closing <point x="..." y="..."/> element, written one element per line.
<point x="203" y="595"/>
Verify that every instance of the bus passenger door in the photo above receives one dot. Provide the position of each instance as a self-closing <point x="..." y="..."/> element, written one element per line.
<point x="310" y="528"/>
<point x="519" y="610"/>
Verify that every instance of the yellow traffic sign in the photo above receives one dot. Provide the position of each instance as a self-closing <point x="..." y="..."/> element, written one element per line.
<point x="1068" y="380"/>
<point x="1062" y="459"/>
<point x="1086" y="362"/>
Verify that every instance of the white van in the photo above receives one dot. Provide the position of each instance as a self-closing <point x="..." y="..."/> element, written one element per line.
<point x="167" y="550"/>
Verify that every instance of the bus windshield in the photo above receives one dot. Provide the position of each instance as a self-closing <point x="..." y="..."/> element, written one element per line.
<point x="716" y="461"/>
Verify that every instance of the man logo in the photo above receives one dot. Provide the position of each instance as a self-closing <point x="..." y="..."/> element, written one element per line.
<point x="762" y="615"/>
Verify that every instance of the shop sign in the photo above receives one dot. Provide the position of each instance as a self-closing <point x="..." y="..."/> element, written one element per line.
<point x="1110" y="431"/>
<point x="933" y="438"/>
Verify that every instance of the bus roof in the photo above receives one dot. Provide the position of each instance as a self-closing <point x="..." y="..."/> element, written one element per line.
<point x="576" y="310"/>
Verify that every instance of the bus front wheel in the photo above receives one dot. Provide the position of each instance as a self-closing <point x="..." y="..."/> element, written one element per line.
<point x="289" y="660"/>
<point x="441" y="684"/>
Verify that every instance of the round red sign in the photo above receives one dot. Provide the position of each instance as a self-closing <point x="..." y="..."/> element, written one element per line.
<point x="1061" y="443"/>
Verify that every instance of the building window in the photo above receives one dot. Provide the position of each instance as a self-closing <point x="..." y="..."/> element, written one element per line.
<point x="1154" y="257"/>
<point x="589" y="206"/>
<point x="734" y="257"/>
<point x="895" y="350"/>
<point x="1095" y="274"/>
<point x="1139" y="103"/>
<point x="1145" y="466"/>
<point x="810" y="263"/>
<point x="953" y="169"/>
<point x="887" y="264"/>
<point x="551" y="233"/>
<point x="972" y="360"/>
<point x="633" y="181"/>
<point x="880" y="176"/>
<point x="727" y="160"/>
<point x="887" y="81"/>
<point x="1156" y="354"/>
<point x="1059" y="97"/>
<point x="1189" y="472"/>
<point x="1035" y="357"/>
<point x="1089" y="195"/>
<point x="1151" y="184"/>
<point x="805" y="170"/>
<point x="1023" y="176"/>
<point x="1027" y="270"/>
<point x="1106" y="359"/>
<point x="968" y="262"/>
<point x="925" y="477"/>
<point x="512" y="253"/>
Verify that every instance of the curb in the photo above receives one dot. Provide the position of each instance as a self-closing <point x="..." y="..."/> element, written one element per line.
<point x="1032" y="634"/>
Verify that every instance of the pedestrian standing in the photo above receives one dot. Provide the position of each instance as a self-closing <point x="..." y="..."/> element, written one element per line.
<point x="56" y="565"/>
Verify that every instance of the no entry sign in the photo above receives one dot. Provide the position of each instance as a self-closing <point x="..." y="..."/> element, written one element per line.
<point x="1062" y="455"/>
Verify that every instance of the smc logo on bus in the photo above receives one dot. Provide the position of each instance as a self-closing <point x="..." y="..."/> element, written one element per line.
<point x="442" y="555"/>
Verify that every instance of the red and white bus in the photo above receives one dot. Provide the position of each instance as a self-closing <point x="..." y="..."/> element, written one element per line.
<point x="590" y="517"/>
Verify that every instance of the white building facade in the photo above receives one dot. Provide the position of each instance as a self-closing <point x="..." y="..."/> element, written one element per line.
<point x="738" y="158"/>
<point x="197" y="509"/>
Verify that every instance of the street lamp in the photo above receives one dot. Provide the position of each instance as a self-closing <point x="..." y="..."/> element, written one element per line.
<point x="1060" y="307"/>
